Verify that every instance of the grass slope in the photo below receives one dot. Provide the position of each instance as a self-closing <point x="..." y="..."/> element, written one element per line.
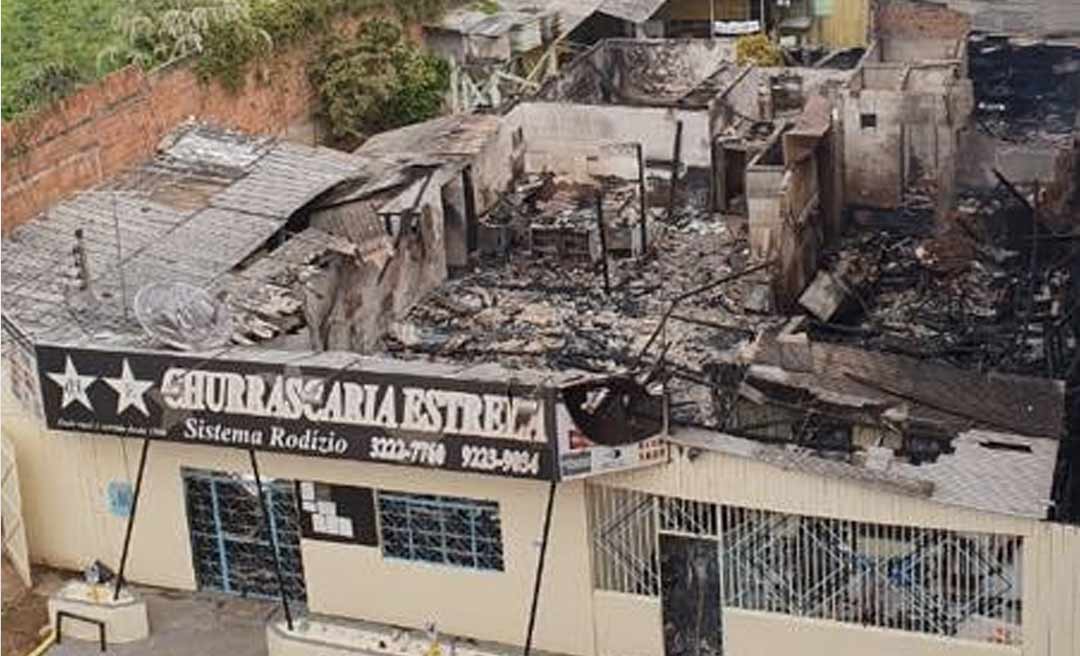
<point x="37" y="32"/>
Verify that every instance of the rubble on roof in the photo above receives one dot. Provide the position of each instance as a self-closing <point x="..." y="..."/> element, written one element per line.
<point x="215" y="209"/>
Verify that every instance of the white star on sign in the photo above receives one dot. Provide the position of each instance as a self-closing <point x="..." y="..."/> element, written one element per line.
<point x="73" y="385"/>
<point x="130" y="391"/>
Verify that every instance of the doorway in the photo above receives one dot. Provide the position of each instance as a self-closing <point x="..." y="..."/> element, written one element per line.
<point x="690" y="593"/>
<point x="230" y="545"/>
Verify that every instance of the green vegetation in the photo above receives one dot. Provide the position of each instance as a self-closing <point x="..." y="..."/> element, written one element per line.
<point x="486" y="6"/>
<point x="376" y="80"/>
<point x="758" y="50"/>
<point x="50" y="46"/>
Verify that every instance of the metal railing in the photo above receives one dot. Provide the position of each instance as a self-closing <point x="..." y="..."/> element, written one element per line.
<point x="62" y="614"/>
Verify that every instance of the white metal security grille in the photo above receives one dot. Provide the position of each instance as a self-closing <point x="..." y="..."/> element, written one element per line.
<point x="933" y="581"/>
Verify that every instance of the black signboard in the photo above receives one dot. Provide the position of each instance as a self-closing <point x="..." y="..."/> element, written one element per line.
<point x="404" y="419"/>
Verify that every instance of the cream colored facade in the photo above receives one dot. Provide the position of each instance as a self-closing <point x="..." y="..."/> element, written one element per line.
<point x="64" y="479"/>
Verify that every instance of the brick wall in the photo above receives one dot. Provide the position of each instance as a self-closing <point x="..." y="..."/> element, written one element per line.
<point x="119" y="120"/>
<point x="917" y="19"/>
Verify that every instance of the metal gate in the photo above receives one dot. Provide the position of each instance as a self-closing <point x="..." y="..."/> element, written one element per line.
<point x="230" y="545"/>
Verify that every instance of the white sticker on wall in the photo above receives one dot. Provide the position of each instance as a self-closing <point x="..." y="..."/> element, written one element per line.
<point x="307" y="491"/>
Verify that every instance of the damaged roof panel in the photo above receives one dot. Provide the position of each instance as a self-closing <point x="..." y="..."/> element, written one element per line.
<point x="954" y="397"/>
<point x="1014" y="479"/>
<point x="635" y="11"/>
<point x="205" y="203"/>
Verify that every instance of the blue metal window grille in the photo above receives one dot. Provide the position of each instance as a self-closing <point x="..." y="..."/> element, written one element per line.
<point x="443" y="530"/>
<point x="229" y="543"/>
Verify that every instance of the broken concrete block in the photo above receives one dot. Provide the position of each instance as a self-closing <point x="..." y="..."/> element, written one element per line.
<point x="758" y="299"/>
<point x="825" y="296"/>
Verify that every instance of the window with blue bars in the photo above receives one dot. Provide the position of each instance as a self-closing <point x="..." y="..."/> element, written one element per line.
<point x="444" y="530"/>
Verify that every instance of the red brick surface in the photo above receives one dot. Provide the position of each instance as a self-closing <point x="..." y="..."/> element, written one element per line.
<point x="118" y="121"/>
<point x="904" y="18"/>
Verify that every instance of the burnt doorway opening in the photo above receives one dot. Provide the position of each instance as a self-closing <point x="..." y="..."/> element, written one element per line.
<point x="231" y="548"/>
<point x="690" y="596"/>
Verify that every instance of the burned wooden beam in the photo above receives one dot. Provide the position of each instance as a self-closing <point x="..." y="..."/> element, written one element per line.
<point x="603" y="240"/>
<point x="676" y="161"/>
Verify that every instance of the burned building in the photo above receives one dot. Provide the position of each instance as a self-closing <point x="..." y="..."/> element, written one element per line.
<point x="661" y="359"/>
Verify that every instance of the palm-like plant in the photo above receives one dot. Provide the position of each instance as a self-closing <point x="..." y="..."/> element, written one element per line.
<point x="158" y="32"/>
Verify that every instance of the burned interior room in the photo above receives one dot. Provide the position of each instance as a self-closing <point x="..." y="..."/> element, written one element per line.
<point x="888" y="201"/>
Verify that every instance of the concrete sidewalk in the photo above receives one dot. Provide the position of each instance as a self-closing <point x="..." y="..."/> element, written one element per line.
<point x="182" y="624"/>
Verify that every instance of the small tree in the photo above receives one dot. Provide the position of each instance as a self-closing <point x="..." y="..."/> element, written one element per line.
<point x="376" y="80"/>
<point x="153" y="32"/>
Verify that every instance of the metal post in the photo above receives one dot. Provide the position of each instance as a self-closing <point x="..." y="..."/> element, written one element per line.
<point x="540" y="568"/>
<point x="603" y="239"/>
<point x="675" y="163"/>
<point x="273" y="540"/>
<point x="131" y="520"/>
<point x="641" y="193"/>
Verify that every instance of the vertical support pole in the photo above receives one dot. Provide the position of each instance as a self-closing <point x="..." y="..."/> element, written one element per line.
<point x="641" y="194"/>
<point x="273" y="540"/>
<point x="603" y="240"/>
<point x="219" y="534"/>
<point x="131" y="520"/>
<point x="675" y="163"/>
<point x="540" y="568"/>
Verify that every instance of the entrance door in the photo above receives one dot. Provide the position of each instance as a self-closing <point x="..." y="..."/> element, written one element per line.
<point x="690" y="589"/>
<point x="230" y="545"/>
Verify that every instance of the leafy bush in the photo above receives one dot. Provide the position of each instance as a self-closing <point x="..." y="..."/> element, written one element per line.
<point x="758" y="50"/>
<point x="93" y="37"/>
<point x="43" y="86"/>
<point x="376" y="80"/>
<point x="154" y="32"/>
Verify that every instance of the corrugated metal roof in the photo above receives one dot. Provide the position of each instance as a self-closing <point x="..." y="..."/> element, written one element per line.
<point x="979" y="474"/>
<point x="635" y="11"/>
<point x="207" y="201"/>
<point x="512" y="13"/>
<point x="459" y="134"/>
<point x="952" y="397"/>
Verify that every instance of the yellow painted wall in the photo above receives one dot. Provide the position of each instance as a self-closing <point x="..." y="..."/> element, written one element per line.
<point x="64" y="479"/>
<point x="1052" y="591"/>
<point x="698" y="10"/>
<point x="747" y="632"/>
<point x="628" y="625"/>
<point x="847" y="26"/>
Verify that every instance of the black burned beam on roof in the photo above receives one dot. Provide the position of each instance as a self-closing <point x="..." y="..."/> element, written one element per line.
<point x="691" y="293"/>
<point x="676" y="162"/>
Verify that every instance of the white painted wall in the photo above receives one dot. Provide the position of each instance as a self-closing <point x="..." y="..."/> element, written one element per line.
<point x="653" y="127"/>
<point x="583" y="162"/>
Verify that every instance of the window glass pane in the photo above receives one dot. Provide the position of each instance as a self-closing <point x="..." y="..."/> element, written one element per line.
<point x="444" y="530"/>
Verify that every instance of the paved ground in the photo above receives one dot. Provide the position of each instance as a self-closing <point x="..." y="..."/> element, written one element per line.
<point x="24" y="612"/>
<point x="182" y="624"/>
